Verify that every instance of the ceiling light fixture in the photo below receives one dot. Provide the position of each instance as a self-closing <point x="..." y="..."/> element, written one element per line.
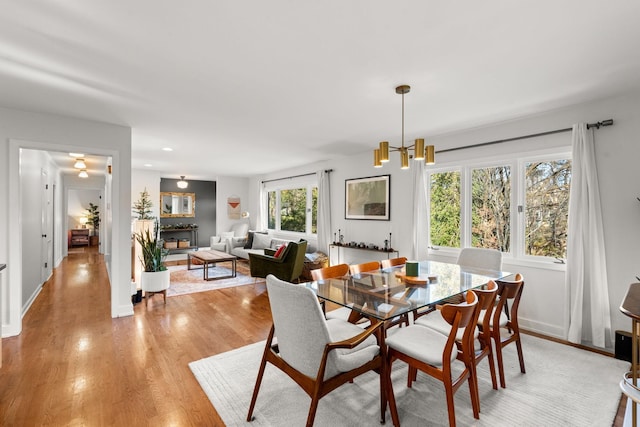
<point x="182" y="183"/>
<point x="420" y="152"/>
<point x="83" y="174"/>
<point x="80" y="164"/>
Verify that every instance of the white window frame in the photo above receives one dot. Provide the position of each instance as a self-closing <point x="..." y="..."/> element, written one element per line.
<point x="517" y="164"/>
<point x="308" y="182"/>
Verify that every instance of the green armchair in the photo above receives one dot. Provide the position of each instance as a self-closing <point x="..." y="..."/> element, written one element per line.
<point x="287" y="267"/>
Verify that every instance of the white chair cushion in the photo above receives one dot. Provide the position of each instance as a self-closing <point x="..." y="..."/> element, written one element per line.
<point x="343" y="313"/>
<point x="348" y="359"/>
<point x="214" y="239"/>
<point x="435" y="321"/>
<point x="503" y="317"/>
<point x="226" y="235"/>
<point x="420" y="343"/>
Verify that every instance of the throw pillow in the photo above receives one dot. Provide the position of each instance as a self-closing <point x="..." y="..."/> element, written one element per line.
<point x="279" y="252"/>
<point x="249" y="242"/>
<point x="261" y="241"/>
<point x="214" y="239"/>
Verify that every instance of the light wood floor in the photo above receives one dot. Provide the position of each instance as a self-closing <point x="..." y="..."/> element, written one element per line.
<point x="75" y="365"/>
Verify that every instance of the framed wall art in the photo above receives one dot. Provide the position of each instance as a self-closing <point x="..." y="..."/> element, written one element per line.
<point x="368" y="198"/>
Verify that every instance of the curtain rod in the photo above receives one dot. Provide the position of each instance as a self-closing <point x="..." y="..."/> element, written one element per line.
<point x="295" y="176"/>
<point x="596" y="125"/>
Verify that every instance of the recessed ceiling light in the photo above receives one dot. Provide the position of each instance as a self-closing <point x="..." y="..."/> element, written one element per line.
<point x="148" y="165"/>
<point x="167" y="149"/>
<point x="76" y="155"/>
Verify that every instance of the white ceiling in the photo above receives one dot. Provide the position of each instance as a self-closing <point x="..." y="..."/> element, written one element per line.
<point x="246" y="87"/>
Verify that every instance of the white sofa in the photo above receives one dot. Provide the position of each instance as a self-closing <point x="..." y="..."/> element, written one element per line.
<point x="221" y="243"/>
<point x="259" y="243"/>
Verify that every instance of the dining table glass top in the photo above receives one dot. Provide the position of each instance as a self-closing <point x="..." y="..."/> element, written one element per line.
<point x="387" y="293"/>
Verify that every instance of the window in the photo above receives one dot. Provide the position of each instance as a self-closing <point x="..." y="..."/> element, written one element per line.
<point x="490" y="208"/>
<point x="471" y="206"/>
<point x="293" y="209"/>
<point x="445" y="209"/>
<point x="547" y="208"/>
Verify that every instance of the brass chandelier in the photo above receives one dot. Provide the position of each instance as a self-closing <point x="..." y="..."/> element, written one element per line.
<point x="420" y="152"/>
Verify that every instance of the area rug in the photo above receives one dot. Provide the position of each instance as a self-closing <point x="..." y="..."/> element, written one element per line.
<point x="563" y="386"/>
<point x="185" y="281"/>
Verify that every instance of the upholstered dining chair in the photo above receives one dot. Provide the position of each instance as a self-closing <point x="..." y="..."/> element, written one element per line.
<point x="483" y="348"/>
<point x="318" y="354"/>
<point x="393" y="262"/>
<point x="504" y="328"/>
<point x="433" y="353"/>
<point x="488" y="259"/>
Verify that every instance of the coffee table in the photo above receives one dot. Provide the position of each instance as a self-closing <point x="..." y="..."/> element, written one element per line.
<point x="211" y="257"/>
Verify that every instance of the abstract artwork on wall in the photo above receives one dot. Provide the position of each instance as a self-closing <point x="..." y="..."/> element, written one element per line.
<point x="233" y="207"/>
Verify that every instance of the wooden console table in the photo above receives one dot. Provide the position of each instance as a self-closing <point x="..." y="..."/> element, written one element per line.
<point x="337" y="253"/>
<point x="631" y="307"/>
<point x="193" y="242"/>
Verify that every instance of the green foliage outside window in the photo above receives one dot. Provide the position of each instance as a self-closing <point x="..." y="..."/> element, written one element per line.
<point x="445" y="209"/>
<point x="491" y="208"/>
<point x="293" y="206"/>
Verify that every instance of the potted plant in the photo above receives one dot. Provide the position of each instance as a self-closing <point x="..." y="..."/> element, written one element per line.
<point x="142" y="207"/>
<point x="154" y="277"/>
<point x="93" y="218"/>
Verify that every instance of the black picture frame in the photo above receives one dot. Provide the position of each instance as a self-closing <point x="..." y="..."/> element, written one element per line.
<point x="368" y="198"/>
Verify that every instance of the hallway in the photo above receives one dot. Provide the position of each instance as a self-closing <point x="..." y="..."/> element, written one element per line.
<point x="75" y="365"/>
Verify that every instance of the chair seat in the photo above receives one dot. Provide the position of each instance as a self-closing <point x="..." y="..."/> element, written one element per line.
<point x="435" y="321"/>
<point x="503" y="317"/>
<point x="420" y="343"/>
<point x="348" y="359"/>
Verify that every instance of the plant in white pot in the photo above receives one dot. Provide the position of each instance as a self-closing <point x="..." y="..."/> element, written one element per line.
<point x="155" y="276"/>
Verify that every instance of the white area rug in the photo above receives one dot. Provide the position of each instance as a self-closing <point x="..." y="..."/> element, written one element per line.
<point x="563" y="386"/>
<point x="185" y="281"/>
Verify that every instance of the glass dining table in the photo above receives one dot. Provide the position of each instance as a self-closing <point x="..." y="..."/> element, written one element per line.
<point x="388" y="295"/>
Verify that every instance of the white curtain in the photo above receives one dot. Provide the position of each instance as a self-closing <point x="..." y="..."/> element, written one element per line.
<point x="261" y="218"/>
<point x="586" y="278"/>
<point x="420" y="223"/>
<point x="324" y="211"/>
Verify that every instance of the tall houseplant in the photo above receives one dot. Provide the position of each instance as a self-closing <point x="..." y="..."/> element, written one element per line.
<point x="153" y="254"/>
<point x="93" y="217"/>
<point x="155" y="277"/>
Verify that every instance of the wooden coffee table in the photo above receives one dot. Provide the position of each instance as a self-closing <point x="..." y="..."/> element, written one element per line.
<point x="211" y="257"/>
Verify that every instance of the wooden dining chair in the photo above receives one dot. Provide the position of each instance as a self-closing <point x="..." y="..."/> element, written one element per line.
<point x="434" y="353"/>
<point x="504" y="329"/>
<point x="393" y="262"/>
<point x="482" y="348"/>
<point x="364" y="267"/>
<point x="318" y="354"/>
<point x="339" y="270"/>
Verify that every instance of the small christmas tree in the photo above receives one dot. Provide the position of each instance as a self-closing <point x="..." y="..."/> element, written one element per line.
<point x="142" y="207"/>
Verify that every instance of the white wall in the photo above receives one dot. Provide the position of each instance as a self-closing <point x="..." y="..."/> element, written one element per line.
<point x="19" y="129"/>
<point x="227" y="187"/>
<point x="545" y="304"/>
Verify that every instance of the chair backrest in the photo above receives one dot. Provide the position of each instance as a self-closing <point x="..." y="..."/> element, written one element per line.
<point x="508" y="290"/>
<point x="393" y="262"/>
<point x="338" y="270"/>
<point x="299" y="325"/>
<point x="488" y="259"/>
<point x="486" y="301"/>
<point x="367" y="266"/>
<point x="294" y="255"/>
<point x="240" y="229"/>
<point x="463" y="315"/>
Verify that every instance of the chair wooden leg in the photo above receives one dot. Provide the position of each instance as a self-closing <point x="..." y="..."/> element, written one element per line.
<point x="164" y="295"/>
<point x="492" y="367"/>
<point x="520" y="356"/>
<point x="473" y="390"/>
<point x="450" y="406"/>
<point x="313" y="408"/>
<point x="500" y="364"/>
<point x="263" y="365"/>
